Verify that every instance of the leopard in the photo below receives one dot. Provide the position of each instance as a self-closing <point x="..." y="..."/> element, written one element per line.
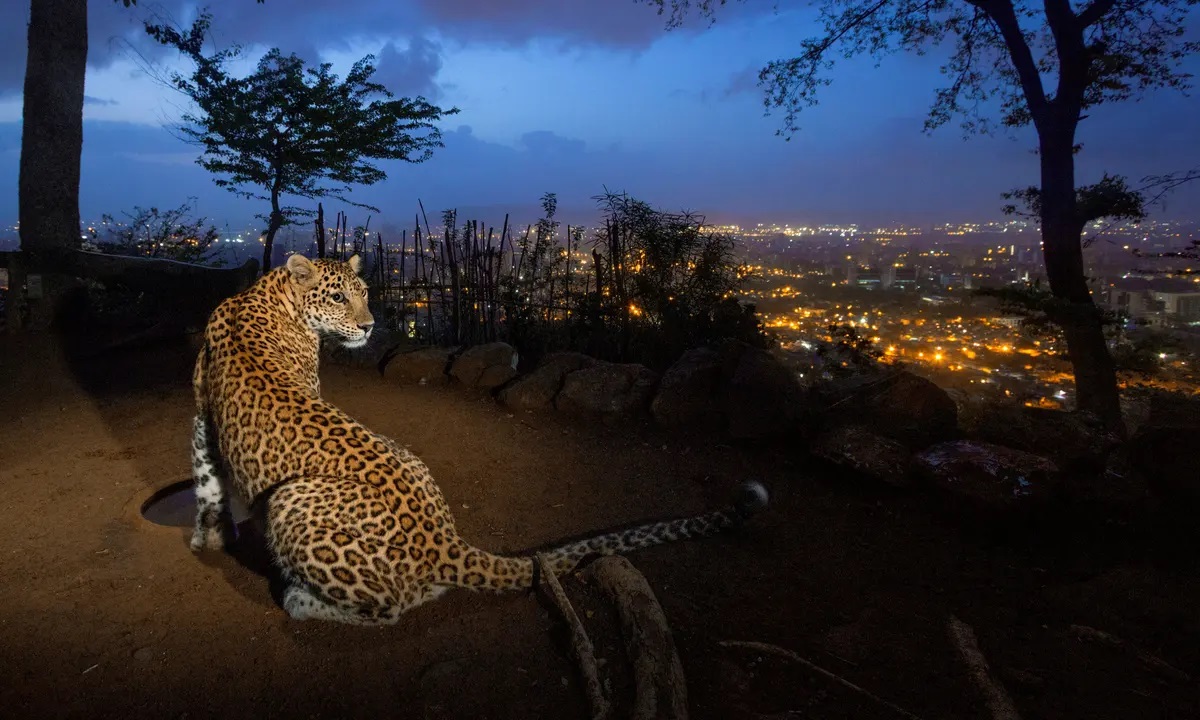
<point x="354" y="522"/>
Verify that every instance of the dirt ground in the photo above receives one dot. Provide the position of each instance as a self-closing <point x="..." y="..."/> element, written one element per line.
<point x="103" y="614"/>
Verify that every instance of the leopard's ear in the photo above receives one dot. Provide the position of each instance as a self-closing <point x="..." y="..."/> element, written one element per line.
<point x="355" y="263"/>
<point x="302" y="270"/>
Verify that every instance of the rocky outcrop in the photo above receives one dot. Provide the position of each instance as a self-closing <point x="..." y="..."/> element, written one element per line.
<point x="689" y="394"/>
<point x="485" y="366"/>
<point x="898" y="405"/>
<point x="1073" y="440"/>
<point x="538" y="389"/>
<point x="763" y="399"/>
<point x="986" y="474"/>
<point x="857" y="448"/>
<point x="607" y="389"/>
<point x="419" y="366"/>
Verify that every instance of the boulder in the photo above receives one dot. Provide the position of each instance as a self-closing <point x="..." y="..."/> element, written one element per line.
<point x="899" y="405"/>
<point x="762" y="397"/>
<point x="1073" y="440"/>
<point x="609" y="389"/>
<point x="987" y="474"/>
<point x="857" y="448"/>
<point x="688" y="395"/>
<point x="485" y="366"/>
<point x="420" y="366"/>
<point x="539" y="388"/>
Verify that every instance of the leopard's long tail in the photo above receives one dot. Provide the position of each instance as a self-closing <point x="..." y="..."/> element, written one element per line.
<point x="481" y="570"/>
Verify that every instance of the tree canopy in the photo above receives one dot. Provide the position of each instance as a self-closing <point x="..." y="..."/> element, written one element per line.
<point x="291" y="130"/>
<point x="1005" y="64"/>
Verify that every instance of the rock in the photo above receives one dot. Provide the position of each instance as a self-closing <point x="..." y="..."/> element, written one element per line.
<point x="539" y="388"/>
<point x="1075" y="441"/>
<point x="609" y="389"/>
<point x="495" y="376"/>
<point x="485" y="366"/>
<point x="857" y="448"/>
<point x="991" y="475"/>
<point x="899" y="405"/>
<point x="421" y="366"/>
<point x="689" y="394"/>
<point x="762" y="398"/>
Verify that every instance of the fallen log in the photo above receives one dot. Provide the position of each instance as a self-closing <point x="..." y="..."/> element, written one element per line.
<point x="197" y="288"/>
<point x="999" y="703"/>
<point x="581" y="644"/>
<point x="184" y="292"/>
<point x="659" y="682"/>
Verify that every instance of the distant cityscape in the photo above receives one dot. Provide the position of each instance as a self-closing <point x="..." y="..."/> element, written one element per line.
<point x="911" y="292"/>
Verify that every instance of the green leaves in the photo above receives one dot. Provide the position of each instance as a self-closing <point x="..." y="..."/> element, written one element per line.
<point x="290" y="129"/>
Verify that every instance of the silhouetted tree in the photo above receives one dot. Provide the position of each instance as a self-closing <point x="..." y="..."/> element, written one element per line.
<point x="1005" y="55"/>
<point x="149" y="232"/>
<point x="665" y="282"/>
<point x="291" y="130"/>
<point x="52" y="131"/>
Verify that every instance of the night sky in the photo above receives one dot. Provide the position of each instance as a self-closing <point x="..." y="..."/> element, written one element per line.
<point x="573" y="96"/>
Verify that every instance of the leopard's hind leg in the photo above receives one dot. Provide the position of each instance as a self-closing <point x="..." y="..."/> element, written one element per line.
<point x="334" y="570"/>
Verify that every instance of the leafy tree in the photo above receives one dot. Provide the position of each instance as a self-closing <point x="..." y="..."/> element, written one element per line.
<point x="149" y="232"/>
<point x="665" y="282"/>
<point x="1012" y="63"/>
<point x="290" y="130"/>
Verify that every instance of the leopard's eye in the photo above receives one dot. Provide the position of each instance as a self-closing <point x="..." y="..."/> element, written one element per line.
<point x="338" y="297"/>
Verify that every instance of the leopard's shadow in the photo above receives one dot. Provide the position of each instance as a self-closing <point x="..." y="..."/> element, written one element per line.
<point x="252" y="562"/>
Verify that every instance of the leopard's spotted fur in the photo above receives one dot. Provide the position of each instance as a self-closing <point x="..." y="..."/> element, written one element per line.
<point x="355" y="522"/>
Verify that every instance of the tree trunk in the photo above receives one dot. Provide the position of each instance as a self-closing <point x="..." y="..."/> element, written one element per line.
<point x="320" y="231"/>
<point x="52" y="141"/>
<point x="273" y="225"/>
<point x="1081" y="321"/>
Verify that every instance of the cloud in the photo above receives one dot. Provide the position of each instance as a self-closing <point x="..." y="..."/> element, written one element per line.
<point x="306" y="27"/>
<point x="89" y="100"/>
<point x="744" y="81"/>
<point x="545" y="142"/>
<point x="412" y="71"/>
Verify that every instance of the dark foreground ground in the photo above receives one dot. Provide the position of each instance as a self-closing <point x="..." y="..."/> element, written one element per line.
<point x="103" y="614"/>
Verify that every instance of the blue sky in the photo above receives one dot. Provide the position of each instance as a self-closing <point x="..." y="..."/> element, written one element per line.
<point x="573" y="96"/>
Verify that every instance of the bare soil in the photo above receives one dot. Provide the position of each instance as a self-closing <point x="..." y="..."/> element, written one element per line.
<point x="104" y="614"/>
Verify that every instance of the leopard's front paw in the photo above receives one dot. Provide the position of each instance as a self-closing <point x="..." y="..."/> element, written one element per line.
<point x="212" y="538"/>
<point x="207" y="539"/>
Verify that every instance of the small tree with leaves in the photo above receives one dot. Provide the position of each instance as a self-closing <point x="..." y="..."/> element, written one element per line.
<point x="172" y="234"/>
<point x="1012" y="63"/>
<point x="288" y="130"/>
<point x="666" y="282"/>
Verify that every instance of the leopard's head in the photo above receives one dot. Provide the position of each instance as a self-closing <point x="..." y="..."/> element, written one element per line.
<point x="333" y="298"/>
